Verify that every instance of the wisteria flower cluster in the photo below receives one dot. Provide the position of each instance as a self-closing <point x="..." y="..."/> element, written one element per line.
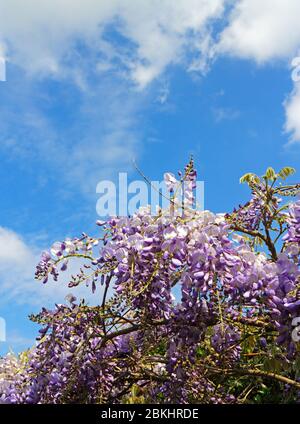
<point x="195" y="307"/>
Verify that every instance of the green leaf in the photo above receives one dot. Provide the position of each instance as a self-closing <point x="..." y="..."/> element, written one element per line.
<point x="286" y="172"/>
<point x="249" y="177"/>
<point x="270" y="174"/>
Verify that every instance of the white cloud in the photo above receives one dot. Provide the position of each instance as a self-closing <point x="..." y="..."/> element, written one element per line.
<point x="70" y="39"/>
<point x="292" y="110"/>
<point x="266" y="31"/>
<point x="262" y="30"/>
<point x="18" y="260"/>
<point x="41" y="36"/>
<point x="163" y="30"/>
<point x="13" y="250"/>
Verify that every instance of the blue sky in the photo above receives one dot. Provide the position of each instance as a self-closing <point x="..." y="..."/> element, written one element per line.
<point x="88" y="91"/>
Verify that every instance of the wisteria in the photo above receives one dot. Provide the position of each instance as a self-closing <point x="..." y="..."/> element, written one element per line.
<point x="195" y="307"/>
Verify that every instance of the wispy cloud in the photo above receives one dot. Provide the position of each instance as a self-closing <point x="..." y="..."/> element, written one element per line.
<point x="17" y="267"/>
<point x="17" y="342"/>
<point x="163" y="94"/>
<point x="43" y="37"/>
<point x="292" y="110"/>
<point x="225" y="114"/>
<point x="103" y="56"/>
<point x="98" y="132"/>
<point x="101" y="59"/>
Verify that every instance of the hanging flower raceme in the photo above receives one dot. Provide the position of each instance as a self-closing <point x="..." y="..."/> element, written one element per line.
<point x="187" y="297"/>
<point x="293" y="219"/>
